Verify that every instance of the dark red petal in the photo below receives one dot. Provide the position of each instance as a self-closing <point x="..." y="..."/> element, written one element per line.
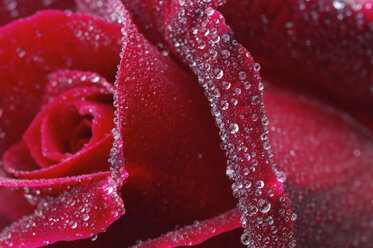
<point x="61" y="81"/>
<point x="16" y="206"/>
<point x="327" y="223"/>
<point x="15" y="9"/>
<point x="18" y="158"/>
<point x="78" y="213"/>
<point x="230" y="77"/>
<point x="328" y="159"/>
<point x="32" y="48"/>
<point x="56" y="123"/>
<point x="89" y="161"/>
<point x="181" y="20"/>
<point x="81" y="135"/>
<point x="324" y="46"/>
<point x="170" y="145"/>
<point x="196" y="233"/>
<point x="53" y="184"/>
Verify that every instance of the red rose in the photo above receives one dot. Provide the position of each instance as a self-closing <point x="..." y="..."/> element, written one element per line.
<point x="68" y="164"/>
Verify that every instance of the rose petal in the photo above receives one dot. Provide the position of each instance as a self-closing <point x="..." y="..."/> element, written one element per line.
<point x="49" y="41"/>
<point x="74" y="214"/>
<point x="53" y="184"/>
<point x="170" y="144"/>
<point x="327" y="157"/>
<point x="15" y="9"/>
<point x="196" y="233"/>
<point x="55" y="117"/>
<point x="324" y="46"/>
<point x="361" y="233"/>
<point x="16" y="206"/>
<point x="64" y="80"/>
<point x="233" y="86"/>
<point x="50" y="195"/>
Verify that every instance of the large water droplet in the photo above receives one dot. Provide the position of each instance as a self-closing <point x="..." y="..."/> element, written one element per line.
<point x="264" y="205"/>
<point x="233" y="127"/>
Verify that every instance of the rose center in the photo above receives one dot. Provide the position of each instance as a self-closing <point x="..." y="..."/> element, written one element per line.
<point x="81" y="135"/>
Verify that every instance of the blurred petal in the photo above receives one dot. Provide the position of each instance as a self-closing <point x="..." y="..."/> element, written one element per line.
<point x="324" y="46"/>
<point x="14" y="9"/>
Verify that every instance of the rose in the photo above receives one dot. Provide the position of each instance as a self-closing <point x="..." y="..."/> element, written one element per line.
<point x="169" y="138"/>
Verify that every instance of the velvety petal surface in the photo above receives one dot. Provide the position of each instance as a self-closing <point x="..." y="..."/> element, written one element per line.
<point x="324" y="46"/>
<point x="170" y="145"/>
<point x="15" y="9"/>
<point x="196" y="233"/>
<point x="60" y="208"/>
<point x="46" y="42"/>
<point x="358" y="232"/>
<point x="175" y="164"/>
<point x="327" y="157"/>
<point x="81" y="212"/>
<point x="57" y="131"/>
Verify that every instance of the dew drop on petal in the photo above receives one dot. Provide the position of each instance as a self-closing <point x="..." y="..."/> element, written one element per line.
<point x="264" y="205"/>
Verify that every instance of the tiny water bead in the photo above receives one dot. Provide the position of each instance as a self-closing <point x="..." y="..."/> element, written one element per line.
<point x="218" y="73"/>
<point x="73" y="224"/>
<point x="245" y="239"/>
<point x="257" y="67"/>
<point x="226" y="85"/>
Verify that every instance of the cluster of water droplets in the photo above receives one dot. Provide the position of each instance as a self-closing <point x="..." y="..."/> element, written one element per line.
<point x="80" y="213"/>
<point x="112" y="11"/>
<point x="234" y="89"/>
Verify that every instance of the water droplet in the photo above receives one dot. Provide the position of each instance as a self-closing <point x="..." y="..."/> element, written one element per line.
<point x="234" y="101"/>
<point x="242" y="75"/>
<point x="93" y="237"/>
<point x="218" y="73"/>
<point x="230" y="172"/>
<point x="257" y="67"/>
<point x="226" y="85"/>
<point x="255" y="100"/>
<point x="95" y="79"/>
<point x="264" y="205"/>
<point x="225" y="37"/>
<point x="337" y="4"/>
<point x="85" y="217"/>
<point x="259" y="184"/>
<point x="233" y="128"/>
<point x="293" y="216"/>
<point x="245" y="239"/>
<point x="281" y="176"/>
<point x="224" y="104"/>
<point x="209" y="11"/>
<point x="269" y="220"/>
<point x="21" y="53"/>
<point x="265" y="120"/>
<point x="73" y="224"/>
<point x="252" y="210"/>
